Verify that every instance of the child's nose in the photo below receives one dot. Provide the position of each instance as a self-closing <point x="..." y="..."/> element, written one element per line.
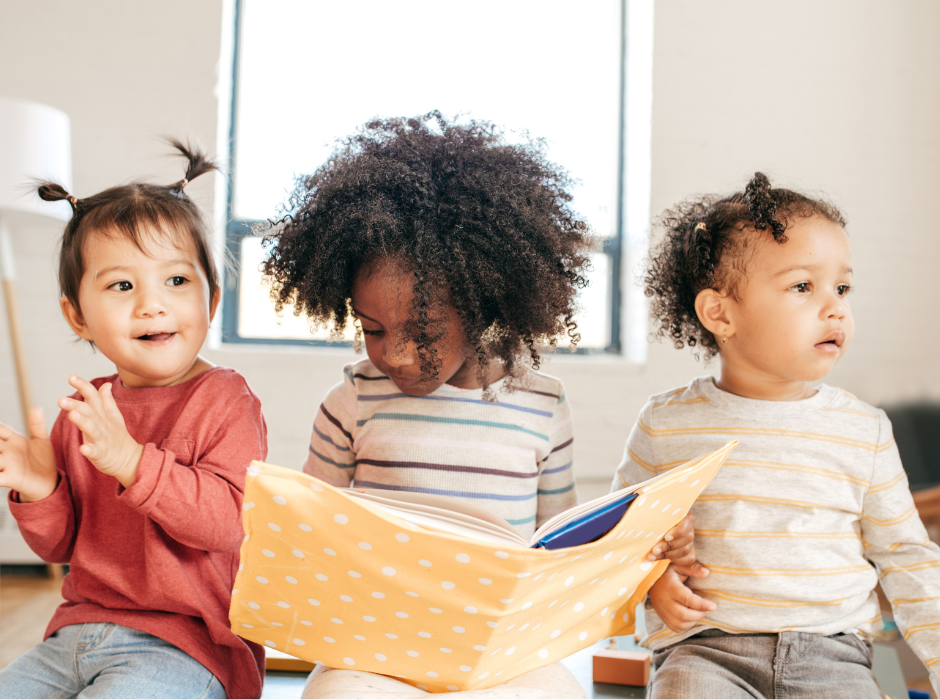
<point x="150" y="303"/>
<point x="401" y="353"/>
<point x="835" y="307"/>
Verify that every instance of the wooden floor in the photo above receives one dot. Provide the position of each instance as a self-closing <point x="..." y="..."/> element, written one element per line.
<point x="28" y="597"/>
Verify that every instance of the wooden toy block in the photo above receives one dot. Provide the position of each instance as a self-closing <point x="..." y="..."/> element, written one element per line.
<point x="621" y="667"/>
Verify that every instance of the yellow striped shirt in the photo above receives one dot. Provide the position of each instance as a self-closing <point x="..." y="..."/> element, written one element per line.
<point x="809" y="512"/>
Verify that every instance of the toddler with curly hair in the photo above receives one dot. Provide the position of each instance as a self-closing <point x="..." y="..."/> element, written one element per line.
<point x="458" y="257"/>
<point x="813" y="510"/>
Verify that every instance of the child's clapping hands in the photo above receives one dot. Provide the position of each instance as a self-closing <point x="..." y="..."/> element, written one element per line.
<point x="107" y="444"/>
<point x="27" y="464"/>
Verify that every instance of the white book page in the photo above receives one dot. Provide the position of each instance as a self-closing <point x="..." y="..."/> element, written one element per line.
<point x="449" y="514"/>
<point x="443" y="502"/>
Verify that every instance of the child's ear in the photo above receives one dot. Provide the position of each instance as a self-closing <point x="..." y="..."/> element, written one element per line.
<point x="214" y="304"/>
<point x="714" y="312"/>
<point x="74" y="318"/>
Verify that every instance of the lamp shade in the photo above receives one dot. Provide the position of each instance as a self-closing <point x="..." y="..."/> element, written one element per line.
<point x="35" y="143"/>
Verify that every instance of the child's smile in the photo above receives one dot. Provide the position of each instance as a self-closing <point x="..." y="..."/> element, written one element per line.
<point x="148" y="312"/>
<point x="157" y="337"/>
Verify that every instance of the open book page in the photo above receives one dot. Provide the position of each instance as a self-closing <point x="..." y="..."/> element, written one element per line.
<point x="441" y="513"/>
<point x="331" y="578"/>
<point x="461" y="518"/>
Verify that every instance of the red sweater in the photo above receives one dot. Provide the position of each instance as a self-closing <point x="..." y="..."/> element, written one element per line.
<point x="161" y="556"/>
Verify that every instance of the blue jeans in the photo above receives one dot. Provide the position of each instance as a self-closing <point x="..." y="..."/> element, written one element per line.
<point x="714" y="664"/>
<point x="104" y="660"/>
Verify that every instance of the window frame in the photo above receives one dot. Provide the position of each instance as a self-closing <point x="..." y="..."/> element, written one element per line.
<point x="238" y="229"/>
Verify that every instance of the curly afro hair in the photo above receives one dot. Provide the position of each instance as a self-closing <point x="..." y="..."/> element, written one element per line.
<point x="706" y="246"/>
<point x="483" y="225"/>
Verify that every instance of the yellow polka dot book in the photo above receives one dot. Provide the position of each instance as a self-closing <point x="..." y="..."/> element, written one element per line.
<point x="397" y="585"/>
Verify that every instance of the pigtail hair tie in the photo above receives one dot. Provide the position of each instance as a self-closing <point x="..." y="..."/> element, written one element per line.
<point x="198" y="164"/>
<point x="762" y="206"/>
<point x="54" y="192"/>
<point x="702" y="245"/>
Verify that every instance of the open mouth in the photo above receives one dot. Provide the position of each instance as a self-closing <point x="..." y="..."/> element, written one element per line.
<point x="833" y="340"/>
<point x="155" y="337"/>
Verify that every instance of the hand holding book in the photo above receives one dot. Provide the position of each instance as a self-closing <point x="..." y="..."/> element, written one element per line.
<point x="678" y="546"/>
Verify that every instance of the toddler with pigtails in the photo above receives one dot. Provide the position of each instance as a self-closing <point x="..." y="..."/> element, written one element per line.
<point x="139" y="485"/>
<point x="813" y="509"/>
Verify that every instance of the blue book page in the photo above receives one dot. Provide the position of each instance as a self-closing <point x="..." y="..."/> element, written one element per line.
<point x="588" y="527"/>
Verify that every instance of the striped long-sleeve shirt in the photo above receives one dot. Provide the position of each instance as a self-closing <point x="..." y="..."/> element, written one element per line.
<point x="809" y="512"/>
<point x="512" y="456"/>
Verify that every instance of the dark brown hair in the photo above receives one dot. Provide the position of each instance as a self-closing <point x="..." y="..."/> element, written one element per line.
<point x="481" y="223"/>
<point x="130" y="211"/>
<point x="705" y="246"/>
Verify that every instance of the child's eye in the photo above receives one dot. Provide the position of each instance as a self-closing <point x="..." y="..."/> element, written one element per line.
<point x="176" y="281"/>
<point x="802" y="287"/>
<point x="843" y="290"/>
<point x="122" y="286"/>
<point x="365" y="332"/>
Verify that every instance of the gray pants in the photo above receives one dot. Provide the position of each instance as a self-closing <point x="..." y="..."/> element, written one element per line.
<point x="714" y="664"/>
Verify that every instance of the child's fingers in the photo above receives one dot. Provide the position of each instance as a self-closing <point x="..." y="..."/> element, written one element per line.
<point x="681" y="536"/>
<point x="680" y="618"/>
<point x="684" y="562"/>
<point x="673" y="550"/>
<point x="680" y="542"/>
<point x="684" y="609"/>
<point x="91" y="451"/>
<point x="75" y="406"/>
<point x="696" y="603"/>
<point x="684" y="528"/>
<point x="84" y="419"/>
<point x="87" y="390"/>
<point x="694" y="569"/>
<point x="37" y="424"/>
<point x="109" y="404"/>
<point x="6" y="432"/>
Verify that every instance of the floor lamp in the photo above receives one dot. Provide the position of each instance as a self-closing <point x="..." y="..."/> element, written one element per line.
<point x="35" y="143"/>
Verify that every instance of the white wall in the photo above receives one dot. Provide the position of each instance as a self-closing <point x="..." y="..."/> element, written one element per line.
<point x="834" y="95"/>
<point x="838" y="96"/>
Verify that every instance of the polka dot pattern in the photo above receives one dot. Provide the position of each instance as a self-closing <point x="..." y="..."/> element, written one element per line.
<point x="437" y="610"/>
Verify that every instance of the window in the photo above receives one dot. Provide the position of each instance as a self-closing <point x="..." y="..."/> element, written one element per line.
<point x="309" y="73"/>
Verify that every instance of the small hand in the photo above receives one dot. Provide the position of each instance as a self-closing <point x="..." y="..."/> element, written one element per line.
<point x="107" y="444"/>
<point x="27" y="465"/>
<point x="675" y="603"/>
<point x="678" y="546"/>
